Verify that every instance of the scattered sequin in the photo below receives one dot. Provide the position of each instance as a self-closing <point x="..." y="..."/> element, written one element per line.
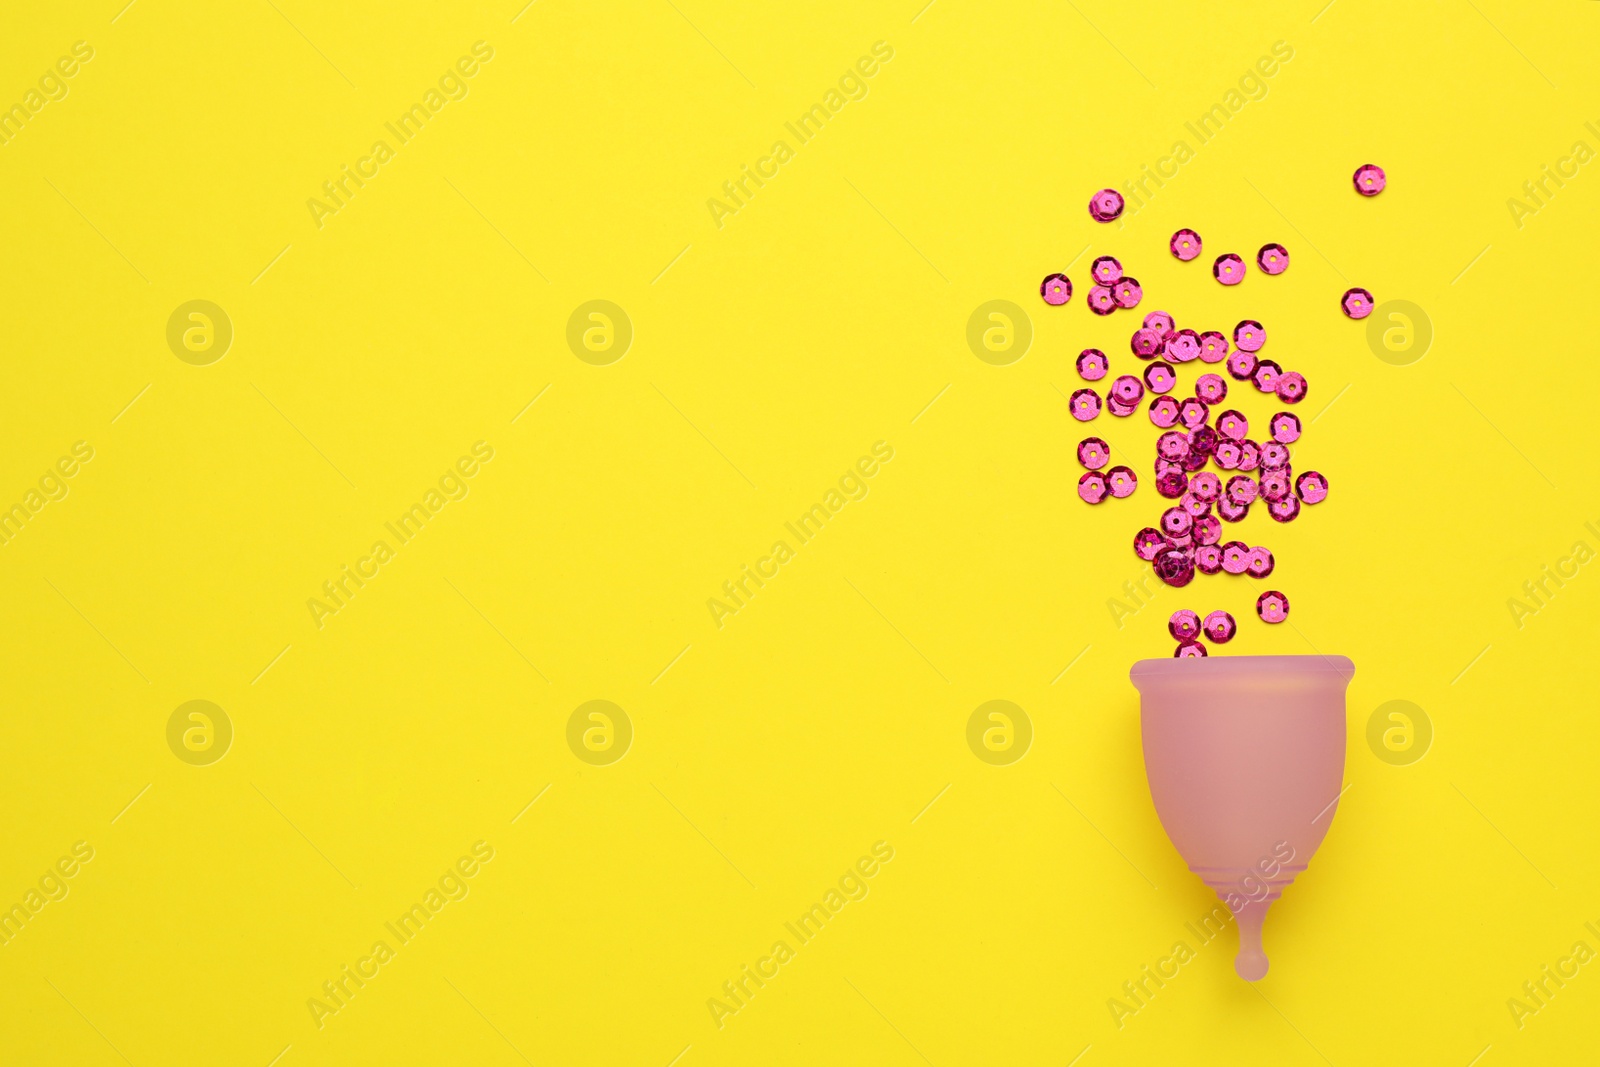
<point x="1242" y="365"/>
<point x="1231" y="512"/>
<point x="1127" y="293"/>
<point x="1266" y="375"/>
<point x="1147" y="542"/>
<point x="1101" y="302"/>
<point x="1207" y="530"/>
<point x="1193" y="413"/>
<point x="1056" y="289"/>
<point x="1219" y="627"/>
<point x="1211" y="388"/>
<point x="1175" y="522"/>
<point x="1235" y="557"/>
<point x="1159" y="321"/>
<point x="1233" y="425"/>
<point x="1164" y="412"/>
<point x="1291" y="387"/>
<point x="1093" y="453"/>
<point x="1208" y="558"/>
<point x="1228" y="269"/>
<point x="1273" y="259"/>
<point x="1106" y="205"/>
<point x="1213" y="347"/>
<point x="1171" y="484"/>
<point x="1127" y="389"/>
<point x="1085" y="404"/>
<point x="1146" y="343"/>
<point x="1189" y="650"/>
<point x="1369" y="179"/>
<point x="1357" y="303"/>
<point x="1242" y="489"/>
<point x="1261" y="562"/>
<point x="1159" y="378"/>
<point x="1185" y="245"/>
<point x="1284" y="510"/>
<point x="1206" y="486"/>
<point x="1174" y="567"/>
<point x="1312" y="487"/>
<point x="1249" y="336"/>
<point x="1285" y="427"/>
<point x="1184" y="625"/>
<point x="1272" y="606"/>
<point x="1173" y="445"/>
<point x="1092" y="487"/>
<point x="1092" y="364"/>
<point x="1106" y="270"/>
<point x="1121" y="481"/>
<point x="1183" y="346"/>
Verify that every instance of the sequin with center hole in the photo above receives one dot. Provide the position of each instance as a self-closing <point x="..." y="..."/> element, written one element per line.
<point x="1369" y="179"/>
<point x="1227" y="455"/>
<point x="1173" y="445"/>
<point x="1085" y="404"/>
<point x="1092" y="487"/>
<point x="1261" y="562"/>
<point x="1285" y="427"/>
<point x="1211" y="388"/>
<point x="1235" y="557"/>
<point x="1119" y="409"/>
<point x="1159" y="378"/>
<point x="1284" y="510"/>
<point x="1196" y="507"/>
<point x="1160" y="322"/>
<point x="1194" y="461"/>
<point x="1242" y="489"/>
<point x="1164" y="412"/>
<point x="1208" y="558"/>
<point x="1312" y="487"/>
<point x="1203" y="441"/>
<point x="1274" y="455"/>
<point x="1206" y="486"/>
<point x="1233" y="425"/>
<point x="1106" y="270"/>
<point x="1249" y="455"/>
<point x="1274" y="485"/>
<point x="1184" y="625"/>
<point x="1290" y="387"/>
<point x="1356" y="302"/>
<point x="1231" y="512"/>
<point x="1172" y="484"/>
<point x="1183" y="346"/>
<point x="1176" y="522"/>
<point x="1272" y="606"/>
<point x="1242" y="365"/>
<point x="1193" y="413"/>
<point x="1127" y="389"/>
<point x="1266" y="376"/>
<point x="1185" y="245"/>
<point x="1093" y="453"/>
<point x="1106" y="205"/>
<point x="1228" y="269"/>
<point x="1207" y="530"/>
<point x="1184" y="543"/>
<point x="1100" y="300"/>
<point x="1056" y="289"/>
<point x="1092" y="364"/>
<point x="1147" y="542"/>
<point x="1127" y="293"/>
<point x="1213" y="347"/>
<point x="1272" y="259"/>
<point x="1121" y="481"/>
<point x="1248" y="336"/>
<point x="1219" y="627"/>
<point x="1174" y="567"/>
<point x="1189" y="650"/>
<point x="1146" y="343"/>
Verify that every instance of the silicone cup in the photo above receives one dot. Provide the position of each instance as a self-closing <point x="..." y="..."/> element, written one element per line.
<point x="1244" y="753"/>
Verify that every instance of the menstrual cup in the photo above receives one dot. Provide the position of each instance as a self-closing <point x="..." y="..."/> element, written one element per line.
<point x="1245" y="758"/>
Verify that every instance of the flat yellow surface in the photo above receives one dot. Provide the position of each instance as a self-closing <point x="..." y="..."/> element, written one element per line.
<point x="404" y="743"/>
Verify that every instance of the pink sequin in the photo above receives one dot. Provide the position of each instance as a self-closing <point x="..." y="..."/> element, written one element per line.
<point x="1219" y="627"/>
<point x="1101" y="302"/>
<point x="1249" y="455"/>
<point x="1092" y="364"/>
<point x="1172" y="483"/>
<point x="1369" y="179"/>
<point x="1119" y="409"/>
<point x="1093" y="453"/>
<point x="1147" y="542"/>
<point x="1092" y="487"/>
<point x="1183" y="346"/>
<point x="1357" y="303"/>
<point x="1231" y="512"/>
<point x="1208" y="558"/>
<point x="1213" y="347"/>
<point x="1164" y="412"/>
<point x="1173" y="445"/>
<point x="1207" y="530"/>
<point x="1272" y="606"/>
<point x="1174" y="567"/>
<point x="1291" y="387"/>
<point x="1242" y="365"/>
<point x="1274" y="455"/>
<point x="1285" y="427"/>
<point x="1106" y="270"/>
<point x="1056" y="289"/>
<point x="1127" y="389"/>
<point x="1175" y="522"/>
<point x="1273" y="259"/>
<point x="1127" y="293"/>
<point x="1184" y="625"/>
<point x="1233" y="425"/>
<point x="1159" y="378"/>
<point x="1312" y="487"/>
<point x="1261" y="562"/>
<point x="1248" y="336"/>
<point x="1085" y="404"/>
<point x="1121" y="481"/>
<point x="1206" y="486"/>
<point x="1228" y="269"/>
<point x="1193" y="504"/>
<point x="1241" y="489"/>
<point x="1106" y="205"/>
<point x="1146" y="343"/>
<point x="1284" y="510"/>
<point x="1189" y="650"/>
<point x="1235" y="557"/>
<point x="1211" y="388"/>
<point x="1185" y="245"/>
<point x="1227" y="455"/>
<point x="1266" y="375"/>
<point x="1159" y="321"/>
<point x="1274" y="485"/>
<point x="1193" y="413"/>
<point x="1203" y="441"/>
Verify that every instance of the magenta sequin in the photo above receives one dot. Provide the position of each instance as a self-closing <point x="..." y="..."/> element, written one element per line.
<point x="1228" y="269"/>
<point x="1093" y="453"/>
<point x="1211" y="388"/>
<point x="1106" y="270"/>
<point x="1189" y="650"/>
<point x="1248" y="336"/>
<point x="1369" y="179"/>
<point x="1312" y="487"/>
<point x="1291" y="387"/>
<point x="1357" y="303"/>
<point x="1233" y="425"/>
<point x="1159" y="321"/>
<point x="1184" y="625"/>
<point x="1106" y="205"/>
<point x="1261" y="562"/>
<point x="1274" y="485"/>
<point x="1285" y="427"/>
<point x="1213" y="347"/>
<point x="1172" y="483"/>
<point x="1274" y="455"/>
<point x="1242" y="365"/>
<point x="1164" y="412"/>
<point x="1100" y="300"/>
<point x="1249" y="455"/>
<point x="1241" y="489"/>
<point x="1175" y="522"/>
<point x="1206" y="486"/>
<point x="1193" y="504"/>
<point x="1147" y="542"/>
<point x="1219" y="627"/>
<point x="1208" y="558"/>
<point x="1227" y="455"/>
<point x="1284" y="510"/>
<point x="1193" y="413"/>
<point x="1121" y="481"/>
<point x="1174" y="567"/>
<point x="1272" y="606"/>
<point x="1266" y="375"/>
<point x="1185" y="245"/>
<point x="1183" y="346"/>
<point x="1273" y="259"/>
<point x="1092" y="364"/>
<point x="1092" y="487"/>
<point x="1127" y="293"/>
<point x="1159" y="378"/>
<point x="1056" y="289"/>
<point x="1127" y="389"/>
<point x="1146" y="343"/>
<point x="1173" y="445"/>
<point x="1231" y="512"/>
<point x="1207" y="530"/>
<point x="1119" y="409"/>
<point x="1085" y="404"/>
<point x="1235" y="557"/>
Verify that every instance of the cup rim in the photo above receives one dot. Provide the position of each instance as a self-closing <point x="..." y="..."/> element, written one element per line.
<point x="1172" y="667"/>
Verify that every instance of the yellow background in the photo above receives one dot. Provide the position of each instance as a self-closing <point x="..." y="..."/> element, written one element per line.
<point x="768" y="355"/>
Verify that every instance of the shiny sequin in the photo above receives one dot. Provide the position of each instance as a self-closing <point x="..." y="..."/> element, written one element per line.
<point x="1056" y="289"/>
<point x="1106" y="270"/>
<point x="1242" y="489"/>
<point x="1208" y="558"/>
<point x="1357" y="303"/>
<point x="1261" y="562"/>
<point x="1248" y="336"/>
<point x="1206" y="486"/>
<point x="1290" y="387"/>
<point x="1121" y="481"/>
<point x="1106" y="205"/>
<point x="1213" y="347"/>
<point x="1101" y="302"/>
<point x="1127" y="389"/>
<point x="1175" y="522"/>
<point x="1147" y="343"/>
<point x="1285" y="427"/>
<point x="1219" y="627"/>
<point x="1092" y="364"/>
<point x="1147" y="542"/>
<point x="1092" y="487"/>
<point x="1235" y="557"/>
<point x="1164" y="412"/>
<point x="1312" y="487"/>
<point x="1183" y="346"/>
<point x="1174" y="567"/>
<point x="1284" y="510"/>
<point x="1127" y="293"/>
<point x="1193" y="413"/>
<point x="1185" y="245"/>
<point x="1242" y="365"/>
<point x="1233" y="425"/>
<point x="1159" y="378"/>
<point x="1173" y="445"/>
<point x="1207" y="530"/>
<point x="1228" y="269"/>
<point x="1272" y="606"/>
<point x="1211" y="388"/>
<point x="1273" y="259"/>
<point x="1085" y="404"/>
<point x="1369" y="179"/>
<point x="1093" y="453"/>
<point x="1184" y="625"/>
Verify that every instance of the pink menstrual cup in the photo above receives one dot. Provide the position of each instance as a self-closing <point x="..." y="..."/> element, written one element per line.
<point x="1245" y="757"/>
